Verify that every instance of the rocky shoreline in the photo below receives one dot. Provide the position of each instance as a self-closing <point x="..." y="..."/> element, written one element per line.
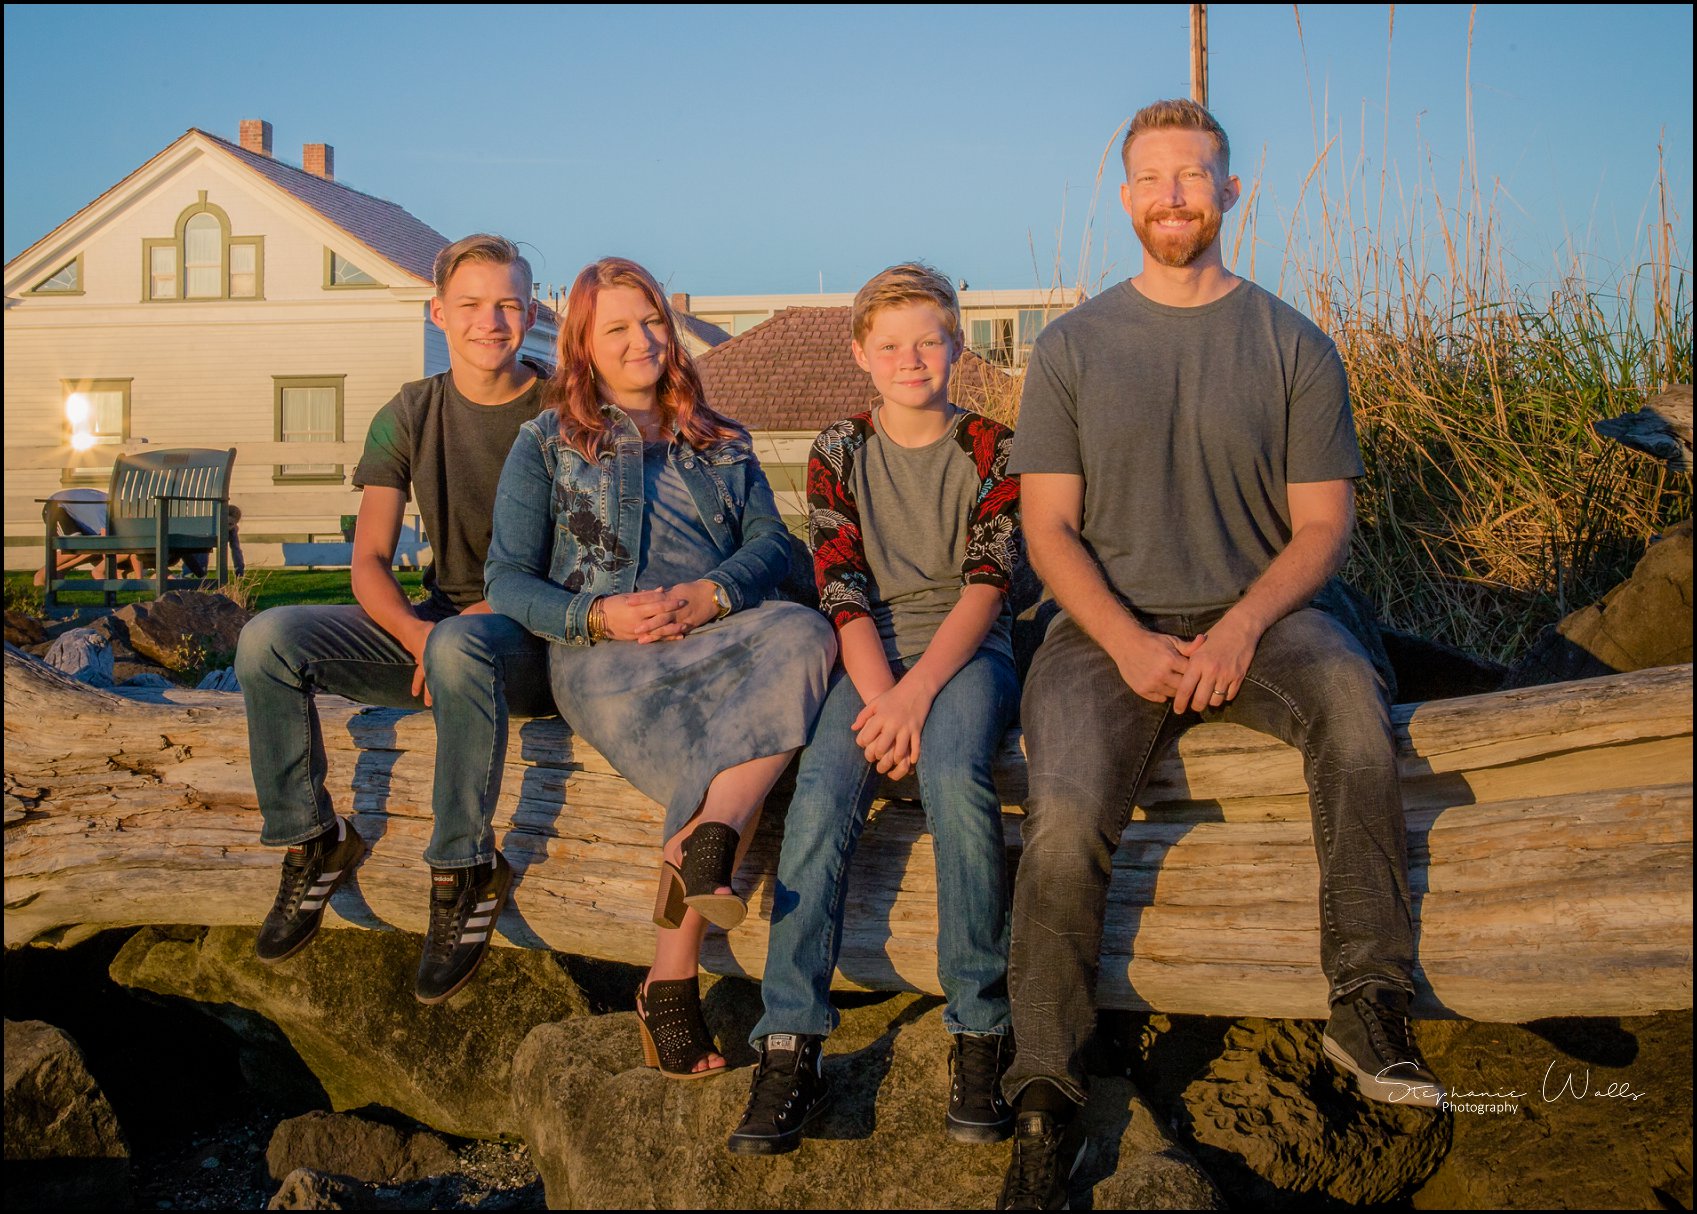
<point x="525" y="1092"/>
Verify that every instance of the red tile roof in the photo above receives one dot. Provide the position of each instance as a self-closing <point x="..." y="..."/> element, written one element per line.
<point x="795" y="372"/>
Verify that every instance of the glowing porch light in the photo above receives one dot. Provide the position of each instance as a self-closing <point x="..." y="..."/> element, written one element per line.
<point x="81" y="440"/>
<point x="77" y="410"/>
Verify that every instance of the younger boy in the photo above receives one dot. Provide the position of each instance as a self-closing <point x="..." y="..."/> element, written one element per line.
<point x="912" y="523"/>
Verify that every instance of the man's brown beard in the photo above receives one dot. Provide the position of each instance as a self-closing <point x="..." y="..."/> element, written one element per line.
<point x="1189" y="248"/>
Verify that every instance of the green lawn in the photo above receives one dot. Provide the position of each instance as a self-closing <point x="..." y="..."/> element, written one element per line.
<point x="267" y="588"/>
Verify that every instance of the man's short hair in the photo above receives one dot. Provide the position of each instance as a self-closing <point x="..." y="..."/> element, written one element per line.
<point x="479" y="247"/>
<point x="910" y="282"/>
<point x="1179" y="114"/>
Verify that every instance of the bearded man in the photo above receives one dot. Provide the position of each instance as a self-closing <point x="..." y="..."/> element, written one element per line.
<point x="1187" y="459"/>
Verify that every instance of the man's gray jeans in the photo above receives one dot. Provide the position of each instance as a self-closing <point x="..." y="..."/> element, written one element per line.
<point x="1091" y="742"/>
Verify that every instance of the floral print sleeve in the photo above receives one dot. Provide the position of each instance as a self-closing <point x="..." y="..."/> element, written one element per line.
<point x="992" y="543"/>
<point x="833" y="522"/>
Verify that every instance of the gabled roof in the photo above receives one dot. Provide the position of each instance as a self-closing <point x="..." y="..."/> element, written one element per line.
<point x="387" y="229"/>
<point x="795" y="372"/>
<point x="704" y="331"/>
<point x="390" y="231"/>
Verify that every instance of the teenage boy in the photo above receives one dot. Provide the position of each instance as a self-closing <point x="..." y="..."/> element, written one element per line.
<point x="912" y="523"/>
<point x="443" y="440"/>
<point x="1188" y="459"/>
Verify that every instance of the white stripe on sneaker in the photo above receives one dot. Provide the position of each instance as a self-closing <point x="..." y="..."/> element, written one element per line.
<point x="474" y="937"/>
<point x="311" y="904"/>
<point x="330" y="876"/>
<point x="485" y="905"/>
<point x="478" y="921"/>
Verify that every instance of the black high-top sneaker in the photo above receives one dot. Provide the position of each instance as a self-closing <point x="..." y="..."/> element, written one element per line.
<point x="790" y="1089"/>
<point x="1048" y="1146"/>
<point x="312" y="871"/>
<point x="977" y="1112"/>
<point x="1369" y="1036"/>
<point x="464" y="905"/>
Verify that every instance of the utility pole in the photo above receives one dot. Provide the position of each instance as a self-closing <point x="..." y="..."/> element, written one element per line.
<point x="1199" y="54"/>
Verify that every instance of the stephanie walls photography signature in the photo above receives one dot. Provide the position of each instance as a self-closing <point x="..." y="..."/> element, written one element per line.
<point x="1556" y="1086"/>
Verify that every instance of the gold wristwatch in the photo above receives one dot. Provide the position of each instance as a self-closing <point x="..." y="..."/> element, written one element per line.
<point x="723" y="600"/>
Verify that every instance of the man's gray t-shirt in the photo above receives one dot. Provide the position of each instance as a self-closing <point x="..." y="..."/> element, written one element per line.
<point x="916" y="506"/>
<point x="1187" y="424"/>
<point x="448" y="452"/>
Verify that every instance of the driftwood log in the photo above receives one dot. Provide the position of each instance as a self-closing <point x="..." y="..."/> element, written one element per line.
<point x="1550" y="834"/>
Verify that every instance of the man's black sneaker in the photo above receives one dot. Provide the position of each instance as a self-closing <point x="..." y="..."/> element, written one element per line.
<point x="790" y="1089"/>
<point x="1046" y="1152"/>
<point x="977" y="1112"/>
<point x="1370" y="1037"/>
<point x="311" y="873"/>
<point x="464" y="905"/>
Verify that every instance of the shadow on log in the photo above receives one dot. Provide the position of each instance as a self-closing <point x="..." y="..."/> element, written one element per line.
<point x="1550" y="834"/>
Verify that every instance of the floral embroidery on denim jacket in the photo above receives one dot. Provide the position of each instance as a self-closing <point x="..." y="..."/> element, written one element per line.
<point x="567" y="529"/>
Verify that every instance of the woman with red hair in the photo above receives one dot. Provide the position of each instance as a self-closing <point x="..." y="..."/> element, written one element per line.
<point x="635" y="530"/>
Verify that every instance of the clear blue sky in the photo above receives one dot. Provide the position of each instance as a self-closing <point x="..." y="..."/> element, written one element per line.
<point x="752" y="150"/>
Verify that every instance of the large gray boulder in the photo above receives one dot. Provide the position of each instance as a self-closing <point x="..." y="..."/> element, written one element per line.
<point x="1642" y="623"/>
<point x="1281" y="1126"/>
<point x="63" y="1146"/>
<point x="346" y="1006"/>
<point x="84" y="654"/>
<point x="346" y="1145"/>
<point x="182" y="629"/>
<point x="606" y="1131"/>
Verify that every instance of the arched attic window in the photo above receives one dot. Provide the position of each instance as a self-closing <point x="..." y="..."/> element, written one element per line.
<point x="203" y="260"/>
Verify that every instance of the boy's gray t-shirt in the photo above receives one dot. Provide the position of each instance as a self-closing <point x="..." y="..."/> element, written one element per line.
<point x="447" y="452"/>
<point x="1186" y="424"/>
<point x="916" y="507"/>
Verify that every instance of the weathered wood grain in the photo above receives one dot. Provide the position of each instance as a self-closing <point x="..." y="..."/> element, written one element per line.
<point x="1550" y="834"/>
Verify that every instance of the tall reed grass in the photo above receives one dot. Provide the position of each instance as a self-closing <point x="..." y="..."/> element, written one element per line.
<point x="1489" y="508"/>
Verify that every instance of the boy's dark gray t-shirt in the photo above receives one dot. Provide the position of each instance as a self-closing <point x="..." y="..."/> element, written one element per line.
<point x="1186" y="424"/>
<point x="448" y="452"/>
<point x="916" y="507"/>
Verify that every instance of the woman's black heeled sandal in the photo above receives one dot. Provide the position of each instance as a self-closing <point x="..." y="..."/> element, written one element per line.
<point x="709" y="860"/>
<point x="674" y="1036"/>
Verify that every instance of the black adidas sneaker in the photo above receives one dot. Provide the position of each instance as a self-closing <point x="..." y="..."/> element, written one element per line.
<point x="464" y="905"/>
<point x="312" y="871"/>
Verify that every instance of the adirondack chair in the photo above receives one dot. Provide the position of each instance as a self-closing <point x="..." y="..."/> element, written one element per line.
<point x="162" y="506"/>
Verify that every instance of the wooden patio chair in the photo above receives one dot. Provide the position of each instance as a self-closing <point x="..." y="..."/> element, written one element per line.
<point x="162" y="506"/>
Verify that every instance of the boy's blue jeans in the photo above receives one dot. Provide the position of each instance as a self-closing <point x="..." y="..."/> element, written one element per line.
<point x="833" y="792"/>
<point x="475" y="666"/>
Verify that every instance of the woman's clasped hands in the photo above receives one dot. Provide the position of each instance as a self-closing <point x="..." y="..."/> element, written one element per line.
<point x="668" y="613"/>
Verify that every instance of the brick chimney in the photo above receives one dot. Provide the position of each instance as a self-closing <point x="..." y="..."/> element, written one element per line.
<point x="319" y="159"/>
<point x="256" y="136"/>
<point x="680" y="301"/>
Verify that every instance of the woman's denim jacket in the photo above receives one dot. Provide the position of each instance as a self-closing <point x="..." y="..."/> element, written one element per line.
<point x="567" y="530"/>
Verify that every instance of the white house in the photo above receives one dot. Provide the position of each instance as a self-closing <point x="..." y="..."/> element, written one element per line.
<point x="220" y="297"/>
